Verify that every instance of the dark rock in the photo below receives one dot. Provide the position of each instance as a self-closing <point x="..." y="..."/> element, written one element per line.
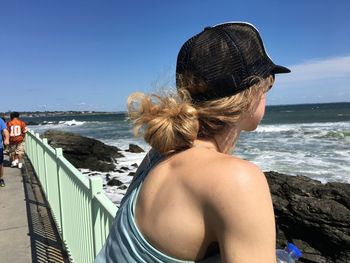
<point x="131" y="173"/>
<point x="84" y="152"/>
<point x="32" y="123"/>
<point x="313" y="216"/>
<point x="135" y="165"/>
<point x="92" y="174"/>
<point x="114" y="182"/>
<point x="133" y="148"/>
<point x="122" y="187"/>
<point x="124" y="168"/>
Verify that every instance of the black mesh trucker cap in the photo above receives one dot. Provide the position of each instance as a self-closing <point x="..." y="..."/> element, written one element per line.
<point x="224" y="57"/>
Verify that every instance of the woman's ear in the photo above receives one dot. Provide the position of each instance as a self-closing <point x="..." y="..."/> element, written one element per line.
<point x="270" y="81"/>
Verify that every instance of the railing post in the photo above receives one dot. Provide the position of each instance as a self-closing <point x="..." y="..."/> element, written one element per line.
<point x="31" y="148"/>
<point x="45" y="168"/>
<point x="95" y="188"/>
<point x="59" y="154"/>
<point x="35" y="156"/>
<point x="27" y="145"/>
<point x="39" y="160"/>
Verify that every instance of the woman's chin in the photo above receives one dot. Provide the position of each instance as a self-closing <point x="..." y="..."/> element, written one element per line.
<point x="251" y="128"/>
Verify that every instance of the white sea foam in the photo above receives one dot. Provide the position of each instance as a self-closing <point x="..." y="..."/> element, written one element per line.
<point x="61" y="125"/>
<point x="276" y="128"/>
<point x="295" y="127"/>
<point x="116" y="193"/>
<point x="71" y="122"/>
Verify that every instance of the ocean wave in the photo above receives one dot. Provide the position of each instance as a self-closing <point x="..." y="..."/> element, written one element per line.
<point x="315" y="131"/>
<point x="71" y="122"/>
<point x="48" y="122"/>
<point x="276" y="128"/>
<point x="301" y="126"/>
<point x="70" y="125"/>
<point x="336" y="135"/>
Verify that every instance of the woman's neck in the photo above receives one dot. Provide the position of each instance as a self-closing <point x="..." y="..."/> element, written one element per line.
<point x="227" y="140"/>
<point x="206" y="143"/>
<point x="224" y="142"/>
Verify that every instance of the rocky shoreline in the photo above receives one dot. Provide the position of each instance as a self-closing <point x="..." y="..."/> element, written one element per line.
<point x="312" y="215"/>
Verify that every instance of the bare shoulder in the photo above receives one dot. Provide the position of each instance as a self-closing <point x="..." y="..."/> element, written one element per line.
<point x="216" y="177"/>
<point x="227" y="173"/>
<point x="239" y="204"/>
<point x="238" y="180"/>
<point x="222" y="178"/>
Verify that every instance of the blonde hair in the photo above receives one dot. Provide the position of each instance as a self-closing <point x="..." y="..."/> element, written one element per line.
<point x="172" y="122"/>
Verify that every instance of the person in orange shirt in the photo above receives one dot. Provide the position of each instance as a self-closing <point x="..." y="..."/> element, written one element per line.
<point x="17" y="129"/>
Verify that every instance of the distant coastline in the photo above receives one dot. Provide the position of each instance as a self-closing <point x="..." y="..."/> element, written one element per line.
<point x="34" y="114"/>
<point x="308" y="104"/>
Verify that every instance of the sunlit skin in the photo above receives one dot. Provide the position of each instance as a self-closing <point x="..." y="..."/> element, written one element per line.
<point x="203" y="200"/>
<point x="252" y="121"/>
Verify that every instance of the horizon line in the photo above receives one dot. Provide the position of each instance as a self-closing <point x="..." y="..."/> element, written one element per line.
<point x="122" y="111"/>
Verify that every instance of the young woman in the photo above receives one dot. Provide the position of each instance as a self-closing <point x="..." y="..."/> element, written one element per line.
<point x="191" y="199"/>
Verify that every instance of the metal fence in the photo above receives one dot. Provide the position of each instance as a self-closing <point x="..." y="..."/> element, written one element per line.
<point x="82" y="212"/>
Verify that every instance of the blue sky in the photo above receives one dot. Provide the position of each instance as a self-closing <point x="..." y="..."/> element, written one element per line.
<point x="89" y="55"/>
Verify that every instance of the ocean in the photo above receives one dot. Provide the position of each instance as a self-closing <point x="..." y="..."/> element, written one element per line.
<point x="311" y="139"/>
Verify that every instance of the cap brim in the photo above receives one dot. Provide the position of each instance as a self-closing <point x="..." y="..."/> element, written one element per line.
<point x="280" y="69"/>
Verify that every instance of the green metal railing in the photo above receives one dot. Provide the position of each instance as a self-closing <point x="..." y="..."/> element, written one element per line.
<point x="82" y="212"/>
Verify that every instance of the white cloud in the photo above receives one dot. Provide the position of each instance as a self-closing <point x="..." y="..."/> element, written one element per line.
<point x="316" y="81"/>
<point x="315" y="70"/>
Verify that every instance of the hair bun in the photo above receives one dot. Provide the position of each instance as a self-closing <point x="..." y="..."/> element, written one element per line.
<point x="167" y="123"/>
